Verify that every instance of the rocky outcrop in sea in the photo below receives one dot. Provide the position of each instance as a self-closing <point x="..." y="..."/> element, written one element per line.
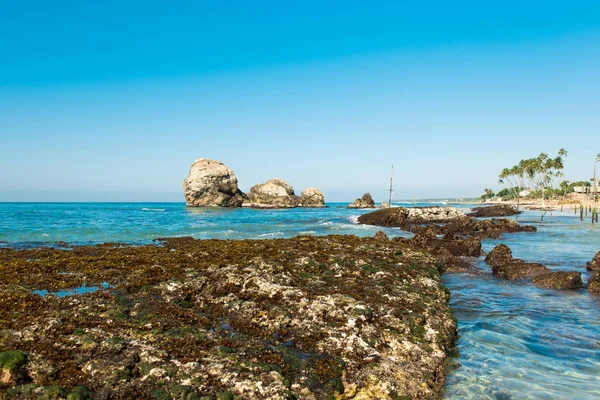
<point x="274" y="193"/>
<point x="594" y="265"/>
<point x="564" y="280"/>
<point x="494" y="211"/>
<point x="366" y="201"/>
<point x="594" y="283"/>
<point x="505" y="266"/>
<point x="211" y="183"/>
<point x="405" y="217"/>
<point x="312" y="197"/>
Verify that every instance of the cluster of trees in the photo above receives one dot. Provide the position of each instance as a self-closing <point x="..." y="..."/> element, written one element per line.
<point x="563" y="189"/>
<point x="487" y="194"/>
<point x="539" y="173"/>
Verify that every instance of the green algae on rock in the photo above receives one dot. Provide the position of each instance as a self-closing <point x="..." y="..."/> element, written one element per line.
<point x="11" y="367"/>
<point x="308" y="317"/>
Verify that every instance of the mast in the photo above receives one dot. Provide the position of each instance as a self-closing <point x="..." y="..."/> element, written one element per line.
<point x="391" y="190"/>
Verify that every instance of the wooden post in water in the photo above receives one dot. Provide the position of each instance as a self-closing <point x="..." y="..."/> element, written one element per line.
<point x="581" y="213"/>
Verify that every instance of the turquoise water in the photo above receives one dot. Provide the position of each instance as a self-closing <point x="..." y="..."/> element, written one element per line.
<point x="74" y="291"/>
<point x="517" y="341"/>
<point x="82" y="223"/>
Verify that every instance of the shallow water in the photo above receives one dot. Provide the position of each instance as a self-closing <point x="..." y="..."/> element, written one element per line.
<point x="73" y="291"/>
<point x="517" y="341"/>
<point x="521" y="342"/>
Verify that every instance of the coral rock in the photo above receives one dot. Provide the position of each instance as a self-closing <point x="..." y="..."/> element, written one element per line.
<point x="559" y="280"/>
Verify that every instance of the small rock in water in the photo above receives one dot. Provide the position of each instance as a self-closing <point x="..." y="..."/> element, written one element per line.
<point x="594" y="283"/>
<point x="364" y="202"/>
<point x="559" y="280"/>
<point x="594" y="265"/>
<point x="494" y="211"/>
<point x="505" y="266"/>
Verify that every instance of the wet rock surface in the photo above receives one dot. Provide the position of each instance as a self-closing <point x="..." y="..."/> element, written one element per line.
<point x="494" y="211"/>
<point x="505" y="266"/>
<point x="485" y="229"/>
<point x="366" y="201"/>
<point x="452" y="221"/>
<point x="211" y="183"/>
<point x="453" y="251"/>
<point x="405" y="217"/>
<point x="594" y="283"/>
<point x="559" y="280"/>
<point x="381" y="235"/>
<point x="594" y="265"/>
<point x="309" y="317"/>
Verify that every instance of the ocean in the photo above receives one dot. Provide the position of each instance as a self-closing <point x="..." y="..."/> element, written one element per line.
<point x="516" y="341"/>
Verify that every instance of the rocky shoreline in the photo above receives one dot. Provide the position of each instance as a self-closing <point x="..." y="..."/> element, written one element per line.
<point x="455" y="239"/>
<point x="308" y="317"/>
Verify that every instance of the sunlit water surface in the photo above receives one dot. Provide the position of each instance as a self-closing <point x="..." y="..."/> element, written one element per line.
<point x="517" y="341"/>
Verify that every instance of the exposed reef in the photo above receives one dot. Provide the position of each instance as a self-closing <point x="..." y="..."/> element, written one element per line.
<point x="594" y="283"/>
<point x="565" y="280"/>
<point x="405" y="217"/>
<point x="455" y="252"/>
<point x="454" y="221"/>
<point x="505" y="266"/>
<point x="485" y="229"/>
<point x="308" y="317"/>
<point x="494" y="211"/>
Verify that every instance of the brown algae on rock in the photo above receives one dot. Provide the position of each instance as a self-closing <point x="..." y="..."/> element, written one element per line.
<point x="308" y="317"/>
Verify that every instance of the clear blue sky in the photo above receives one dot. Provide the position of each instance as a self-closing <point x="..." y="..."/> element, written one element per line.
<point x="114" y="100"/>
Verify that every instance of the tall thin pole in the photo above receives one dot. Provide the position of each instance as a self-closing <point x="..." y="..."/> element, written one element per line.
<point x="595" y="184"/>
<point x="391" y="190"/>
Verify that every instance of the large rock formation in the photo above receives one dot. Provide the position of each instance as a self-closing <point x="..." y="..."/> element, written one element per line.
<point x="211" y="183"/>
<point x="364" y="202"/>
<point x="594" y="265"/>
<point x="404" y="217"/>
<point x="505" y="266"/>
<point x="559" y="280"/>
<point x="312" y="197"/>
<point x="494" y="211"/>
<point x="274" y="193"/>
